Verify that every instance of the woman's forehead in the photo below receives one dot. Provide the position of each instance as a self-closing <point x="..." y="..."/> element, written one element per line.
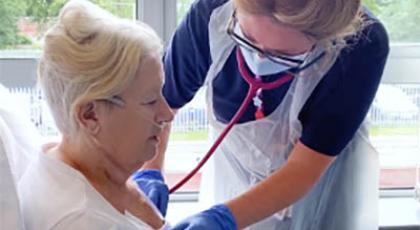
<point x="149" y="76"/>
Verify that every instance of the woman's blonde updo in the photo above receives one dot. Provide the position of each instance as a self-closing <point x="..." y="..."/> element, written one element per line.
<point x="90" y="54"/>
<point x="323" y="20"/>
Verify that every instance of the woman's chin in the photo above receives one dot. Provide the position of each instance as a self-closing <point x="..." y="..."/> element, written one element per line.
<point x="150" y="151"/>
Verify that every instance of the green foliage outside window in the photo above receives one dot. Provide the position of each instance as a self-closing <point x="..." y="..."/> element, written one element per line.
<point x="10" y="12"/>
<point x="44" y="10"/>
<point x="182" y="8"/>
<point x="401" y="17"/>
<point x="41" y="13"/>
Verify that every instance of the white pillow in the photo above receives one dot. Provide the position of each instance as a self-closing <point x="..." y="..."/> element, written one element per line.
<point x="19" y="130"/>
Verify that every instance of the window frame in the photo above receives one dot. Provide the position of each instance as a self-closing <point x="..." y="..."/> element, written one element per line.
<point x="404" y="58"/>
<point x="403" y="61"/>
<point x="160" y="14"/>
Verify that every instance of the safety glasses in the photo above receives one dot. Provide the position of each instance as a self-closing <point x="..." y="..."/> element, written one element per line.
<point x="234" y="31"/>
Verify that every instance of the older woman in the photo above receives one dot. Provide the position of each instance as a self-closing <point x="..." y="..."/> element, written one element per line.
<point x="102" y="78"/>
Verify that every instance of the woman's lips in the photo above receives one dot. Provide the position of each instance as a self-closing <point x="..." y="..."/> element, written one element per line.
<point x="155" y="138"/>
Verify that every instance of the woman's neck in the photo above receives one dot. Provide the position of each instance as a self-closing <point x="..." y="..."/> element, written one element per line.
<point x="108" y="179"/>
<point x="92" y="162"/>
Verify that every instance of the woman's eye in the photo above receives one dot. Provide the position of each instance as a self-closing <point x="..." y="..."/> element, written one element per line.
<point x="150" y="102"/>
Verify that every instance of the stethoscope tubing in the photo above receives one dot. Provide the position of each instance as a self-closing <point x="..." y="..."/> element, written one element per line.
<point x="254" y="86"/>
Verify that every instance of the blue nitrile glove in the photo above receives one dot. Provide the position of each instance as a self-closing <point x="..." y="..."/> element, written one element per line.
<point x="151" y="182"/>
<point x="217" y="217"/>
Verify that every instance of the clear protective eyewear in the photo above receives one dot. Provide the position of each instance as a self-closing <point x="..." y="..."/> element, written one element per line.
<point x="234" y="31"/>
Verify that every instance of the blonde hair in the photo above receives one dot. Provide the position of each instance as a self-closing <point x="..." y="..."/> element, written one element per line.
<point x="89" y="54"/>
<point x="323" y="20"/>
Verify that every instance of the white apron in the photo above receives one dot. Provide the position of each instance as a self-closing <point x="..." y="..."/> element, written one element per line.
<point x="347" y="194"/>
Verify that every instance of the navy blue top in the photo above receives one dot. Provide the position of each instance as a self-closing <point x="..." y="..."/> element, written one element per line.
<point x="332" y="114"/>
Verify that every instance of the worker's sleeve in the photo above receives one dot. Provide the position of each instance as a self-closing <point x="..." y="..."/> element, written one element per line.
<point x="331" y="117"/>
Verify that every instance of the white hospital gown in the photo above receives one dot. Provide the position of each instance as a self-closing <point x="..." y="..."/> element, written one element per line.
<point x="55" y="196"/>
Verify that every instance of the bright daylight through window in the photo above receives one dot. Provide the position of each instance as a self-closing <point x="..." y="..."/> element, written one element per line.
<point x="394" y="116"/>
<point x="23" y="22"/>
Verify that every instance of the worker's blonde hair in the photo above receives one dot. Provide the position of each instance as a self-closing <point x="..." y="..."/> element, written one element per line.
<point x="323" y="20"/>
<point x="88" y="55"/>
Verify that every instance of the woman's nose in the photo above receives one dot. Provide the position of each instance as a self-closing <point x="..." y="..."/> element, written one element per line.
<point x="166" y="114"/>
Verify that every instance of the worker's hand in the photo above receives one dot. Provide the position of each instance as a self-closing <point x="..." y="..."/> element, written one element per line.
<point x="218" y="217"/>
<point x="151" y="182"/>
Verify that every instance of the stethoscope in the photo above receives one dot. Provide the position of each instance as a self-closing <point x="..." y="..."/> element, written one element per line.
<point x="255" y="85"/>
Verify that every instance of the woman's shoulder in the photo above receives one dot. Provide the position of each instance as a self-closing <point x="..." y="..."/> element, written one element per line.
<point x="52" y="176"/>
<point x="47" y="193"/>
<point x="97" y="219"/>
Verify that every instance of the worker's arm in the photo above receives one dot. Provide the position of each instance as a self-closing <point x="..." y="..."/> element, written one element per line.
<point x="150" y="177"/>
<point x="158" y="160"/>
<point x="302" y="170"/>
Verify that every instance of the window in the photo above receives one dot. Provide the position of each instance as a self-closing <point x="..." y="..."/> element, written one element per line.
<point x="189" y="136"/>
<point x="22" y="23"/>
<point x="182" y="7"/>
<point x="395" y="113"/>
<point x="395" y="132"/>
<point x="394" y="116"/>
<point x="400" y="18"/>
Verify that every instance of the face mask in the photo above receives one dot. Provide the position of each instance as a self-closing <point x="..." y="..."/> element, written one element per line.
<point x="263" y="66"/>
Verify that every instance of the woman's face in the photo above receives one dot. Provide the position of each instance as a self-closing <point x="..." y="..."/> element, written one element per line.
<point x="273" y="37"/>
<point x="129" y="134"/>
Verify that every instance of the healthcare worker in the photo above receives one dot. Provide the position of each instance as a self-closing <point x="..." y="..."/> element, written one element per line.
<point x="300" y="157"/>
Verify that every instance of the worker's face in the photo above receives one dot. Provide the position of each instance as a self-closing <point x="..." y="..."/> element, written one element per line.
<point x="129" y="132"/>
<point x="273" y="37"/>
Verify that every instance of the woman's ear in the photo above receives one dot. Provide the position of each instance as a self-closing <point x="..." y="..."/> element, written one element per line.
<point x="88" y="117"/>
